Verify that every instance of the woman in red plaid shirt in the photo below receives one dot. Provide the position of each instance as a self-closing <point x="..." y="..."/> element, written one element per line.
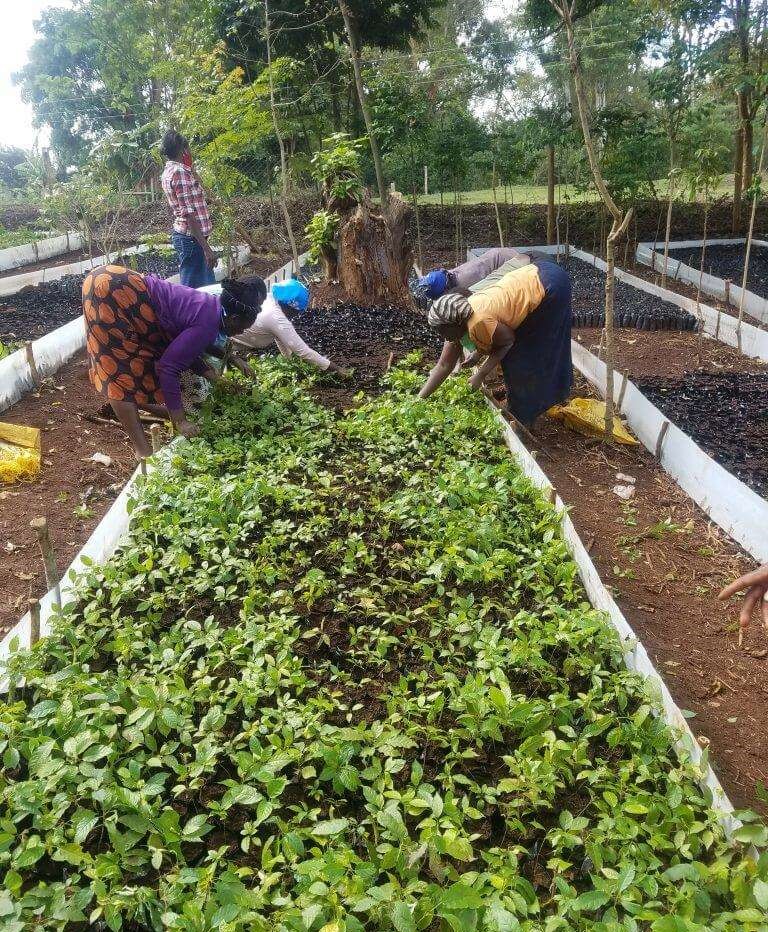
<point x="191" y="218"/>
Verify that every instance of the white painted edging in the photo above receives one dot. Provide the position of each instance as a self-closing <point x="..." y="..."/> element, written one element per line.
<point x="740" y="512"/>
<point x="754" y="305"/>
<point x="15" y="283"/>
<point x="635" y="655"/>
<point x="98" y="549"/>
<point x="15" y="257"/>
<point x="50" y="353"/>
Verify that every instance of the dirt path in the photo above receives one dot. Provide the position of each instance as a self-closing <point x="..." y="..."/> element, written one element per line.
<point x="665" y="562"/>
<point x="72" y="491"/>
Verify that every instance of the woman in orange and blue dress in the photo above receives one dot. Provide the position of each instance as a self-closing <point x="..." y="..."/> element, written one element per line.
<point x="143" y="332"/>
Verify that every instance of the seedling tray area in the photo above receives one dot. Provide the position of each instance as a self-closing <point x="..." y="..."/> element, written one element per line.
<point x="727" y="262"/>
<point x="725" y="413"/>
<point x="633" y="308"/>
<point x="343" y="675"/>
<point x="38" y="309"/>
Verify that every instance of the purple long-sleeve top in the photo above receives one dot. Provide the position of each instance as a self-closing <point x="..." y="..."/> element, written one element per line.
<point x="192" y="320"/>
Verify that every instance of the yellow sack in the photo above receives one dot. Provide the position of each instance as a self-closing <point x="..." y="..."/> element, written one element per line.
<point x="19" y="452"/>
<point x="587" y="416"/>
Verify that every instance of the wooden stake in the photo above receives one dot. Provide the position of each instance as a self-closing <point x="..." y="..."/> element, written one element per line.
<point x="32" y="364"/>
<point x="660" y="439"/>
<point x="156" y="434"/>
<point x="143" y="466"/>
<point x="40" y="526"/>
<point x="34" y="624"/>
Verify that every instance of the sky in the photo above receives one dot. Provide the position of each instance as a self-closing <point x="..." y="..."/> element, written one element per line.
<point x="16" y="35"/>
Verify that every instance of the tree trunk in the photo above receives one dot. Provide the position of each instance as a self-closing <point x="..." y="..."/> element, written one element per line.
<point x="738" y="181"/>
<point x="375" y="254"/>
<point x="748" y="155"/>
<point x="550" y="194"/>
<point x="281" y="144"/>
<point x="496" y="208"/>
<point x="620" y="220"/>
<point x="354" y="47"/>
<point x="668" y="227"/>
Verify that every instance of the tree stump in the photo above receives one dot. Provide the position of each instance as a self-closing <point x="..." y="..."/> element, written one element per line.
<point x="374" y="251"/>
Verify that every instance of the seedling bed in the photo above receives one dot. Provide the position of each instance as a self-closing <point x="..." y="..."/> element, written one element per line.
<point x="343" y="676"/>
<point x="41" y="308"/>
<point x="632" y="308"/>
<point x="725" y="413"/>
<point x="727" y="262"/>
<point x="72" y="492"/>
<point x="76" y="255"/>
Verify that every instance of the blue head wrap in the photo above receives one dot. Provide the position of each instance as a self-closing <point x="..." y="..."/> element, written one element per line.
<point x="437" y="283"/>
<point x="292" y="293"/>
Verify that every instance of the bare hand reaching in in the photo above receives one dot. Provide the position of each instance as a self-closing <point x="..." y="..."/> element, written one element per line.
<point x="756" y="586"/>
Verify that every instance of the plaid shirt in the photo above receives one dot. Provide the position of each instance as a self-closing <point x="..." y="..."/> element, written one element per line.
<point x="185" y="197"/>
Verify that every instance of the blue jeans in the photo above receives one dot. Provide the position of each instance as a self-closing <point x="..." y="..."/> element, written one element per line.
<point x="194" y="271"/>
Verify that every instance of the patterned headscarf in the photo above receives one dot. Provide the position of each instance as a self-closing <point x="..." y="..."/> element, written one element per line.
<point x="450" y="309"/>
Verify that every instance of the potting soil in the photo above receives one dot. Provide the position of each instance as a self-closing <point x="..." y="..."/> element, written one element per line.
<point x="725" y="414"/>
<point x="633" y="308"/>
<point x="38" y="309"/>
<point x="728" y="262"/>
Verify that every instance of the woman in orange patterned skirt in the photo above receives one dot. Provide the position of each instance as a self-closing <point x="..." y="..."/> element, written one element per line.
<point x="142" y="332"/>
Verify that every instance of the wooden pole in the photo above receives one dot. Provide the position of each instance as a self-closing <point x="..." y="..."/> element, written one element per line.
<point x="40" y="527"/>
<point x="750" y="234"/>
<point x="550" y="194"/>
<point x="29" y="352"/>
<point x="156" y="434"/>
<point x="281" y="144"/>
<point x="34" y="624"/>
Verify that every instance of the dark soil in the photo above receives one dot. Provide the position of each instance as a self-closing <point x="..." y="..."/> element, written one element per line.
<point x="365" y="339"/>
<point x="68" y="481"/>
<point x="38" y="309"/>
<point x="633" y="308"/>
<point x="728" y="262"/>
<point x="725" y="414"/>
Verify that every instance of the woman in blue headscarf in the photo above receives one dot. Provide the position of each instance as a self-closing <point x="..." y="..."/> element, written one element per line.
<point x="460" y="279"/>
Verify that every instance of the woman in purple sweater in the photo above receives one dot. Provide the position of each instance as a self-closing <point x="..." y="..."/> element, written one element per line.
<point x="142" y="332"/>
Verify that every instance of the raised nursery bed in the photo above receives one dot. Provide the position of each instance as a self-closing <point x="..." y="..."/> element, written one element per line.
<point x="343" y="676"/>
<point x="727" y="262"/>
<point x="725" y="413"/>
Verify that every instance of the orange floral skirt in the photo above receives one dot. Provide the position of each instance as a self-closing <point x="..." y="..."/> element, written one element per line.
<point x="123" y="338"/>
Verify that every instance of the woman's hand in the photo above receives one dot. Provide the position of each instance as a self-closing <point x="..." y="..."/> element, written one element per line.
<point x="187" y="429"/>
<point x="756" y="586"/>
<point x="242" y="366"/>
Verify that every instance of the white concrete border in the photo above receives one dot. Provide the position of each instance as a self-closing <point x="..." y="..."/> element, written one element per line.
<point x="16" y="257"/>
<point x="754" y="305"/>
<point x="14" y="283"/>
<point x="740" y="512"/>
<point x="635" y="655"/>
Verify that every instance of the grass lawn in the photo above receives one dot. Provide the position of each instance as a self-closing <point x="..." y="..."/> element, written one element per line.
<point x="537" y="194"/>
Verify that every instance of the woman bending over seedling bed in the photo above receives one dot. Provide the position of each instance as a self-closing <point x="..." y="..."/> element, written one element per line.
<point x="522" y="322"/>
<point x="460" y="279"/>
<point x="273" y="325"/>
<point x="143" y="332"/>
